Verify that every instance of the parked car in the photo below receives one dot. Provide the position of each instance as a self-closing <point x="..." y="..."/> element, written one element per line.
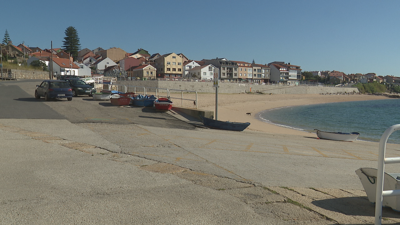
<point x="79" y="87"/>
<point x="52" y="89"/>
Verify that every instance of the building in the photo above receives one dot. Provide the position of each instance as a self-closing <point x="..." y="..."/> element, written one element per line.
<point x="281" y="72"/>
<point x="130" y="62"/>
<point x="83" y="71"/>
<point x="62" y="67"/>
<point x="101" y="64"/>
<point x="115" y="54"/>
<point x="261" y="73"/>
<point x="245" y="71"/>
<point x="228" y="70"/>
<point x="142" y="72"/>
<point x="169" y="66"/>
<point x="188" y="66"/>
<point x="206" y="72"/>
<point x="140" y="53"/>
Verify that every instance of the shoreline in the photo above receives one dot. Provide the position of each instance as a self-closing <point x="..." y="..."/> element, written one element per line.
<point x="246" y="108"/>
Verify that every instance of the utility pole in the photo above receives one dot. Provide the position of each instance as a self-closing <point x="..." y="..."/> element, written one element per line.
<point x="51" y="62"/>
<point x="1" y="56"/>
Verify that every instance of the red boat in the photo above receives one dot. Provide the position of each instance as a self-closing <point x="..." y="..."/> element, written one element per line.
<point x="163" y="104"/>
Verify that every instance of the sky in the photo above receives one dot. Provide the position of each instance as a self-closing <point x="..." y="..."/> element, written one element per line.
<point x="351" y="36"/>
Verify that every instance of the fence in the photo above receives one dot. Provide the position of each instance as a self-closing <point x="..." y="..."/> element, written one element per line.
<point x="157" y="92"/>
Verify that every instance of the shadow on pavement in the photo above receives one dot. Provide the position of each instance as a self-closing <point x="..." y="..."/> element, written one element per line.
<point x="37" y="100"/>
<point x="356" y="206"/>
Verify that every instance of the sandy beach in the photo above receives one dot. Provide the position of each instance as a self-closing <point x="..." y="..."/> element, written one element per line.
<point x="236" y="107"/>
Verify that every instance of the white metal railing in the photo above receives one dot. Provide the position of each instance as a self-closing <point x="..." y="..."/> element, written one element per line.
<point x="380" y="193"/>
<point x="127" y="88"/>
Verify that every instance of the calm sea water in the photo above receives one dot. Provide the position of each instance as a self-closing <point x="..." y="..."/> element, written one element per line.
<point x="369" y="118"/>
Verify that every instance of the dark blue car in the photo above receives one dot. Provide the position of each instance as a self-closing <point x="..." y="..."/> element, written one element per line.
<point x="79" y="87"/>
<point x="53" y="89"/>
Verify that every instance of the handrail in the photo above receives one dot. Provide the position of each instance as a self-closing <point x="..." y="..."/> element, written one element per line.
<point x="380" y="193"/>
<point x="145" y="89"/>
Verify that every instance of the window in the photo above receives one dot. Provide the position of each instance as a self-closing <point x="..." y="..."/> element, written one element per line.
<point x="255" y="70"/>
<point x="168" y="63"/>
<point x="174" y="63"/>
<point x="174" y="57"/>
<point x="173" y="69"/>
<point x="168" y="69"/>
<point x="147" y="72"/>
<point x="259" y="70"/>
<point x="241" y="69"/>
<point x="210" y="68"/>
<point x="179" y="63"/>
<point x="189" y="67"/>
<point x="179" y="69"/>
<point x="204" y="73"/>
<point x="235" y="69"/>
<point x="151" y="72"/>
<point x="223" y="68"/>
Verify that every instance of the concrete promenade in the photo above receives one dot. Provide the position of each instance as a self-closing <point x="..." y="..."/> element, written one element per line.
<point x="54" y="171"/>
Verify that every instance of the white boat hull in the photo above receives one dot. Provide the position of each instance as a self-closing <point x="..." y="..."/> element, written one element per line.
<point x="337" y="136"/>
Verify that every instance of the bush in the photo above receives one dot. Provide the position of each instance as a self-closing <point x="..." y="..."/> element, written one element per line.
<point x="371" y="88"/>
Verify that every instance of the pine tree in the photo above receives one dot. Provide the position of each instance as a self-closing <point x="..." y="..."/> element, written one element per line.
<point x="6" y="38"/>
<point x="71" y="42"/>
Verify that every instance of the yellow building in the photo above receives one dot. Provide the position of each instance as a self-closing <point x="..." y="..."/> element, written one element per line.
<point x="142" y="72"/>
<point x="169" y="66"/>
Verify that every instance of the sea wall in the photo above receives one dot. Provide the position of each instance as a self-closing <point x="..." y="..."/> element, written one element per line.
<point x="25" y="74"/>
<point x="207" y="87"/>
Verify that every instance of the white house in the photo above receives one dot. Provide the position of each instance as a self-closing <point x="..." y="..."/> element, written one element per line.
<point x="88" y="61"/>
<point x="63" y="67"/>
<point x="83" y="71"/>
<point x="188" y="66"/>
<point x="203" y="72"/>
<point x="102" y="64"/>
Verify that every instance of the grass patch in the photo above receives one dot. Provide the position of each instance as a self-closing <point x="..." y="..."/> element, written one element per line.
<point x="272" y="191"/>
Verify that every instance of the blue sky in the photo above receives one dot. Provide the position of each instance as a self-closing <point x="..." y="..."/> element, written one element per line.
<point x="352" y="36"/>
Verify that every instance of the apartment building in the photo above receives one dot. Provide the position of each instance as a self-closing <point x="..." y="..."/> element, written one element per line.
<point x="281" y="72"/>
<point x="228" y="70"/>
<point x="169" y="66"/>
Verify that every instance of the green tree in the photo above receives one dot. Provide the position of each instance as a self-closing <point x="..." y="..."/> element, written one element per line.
<point x="308" y="76"/>
<point x="6" y="38"/>
<point x="39" y="64"/>
<point x="71" y="42"/>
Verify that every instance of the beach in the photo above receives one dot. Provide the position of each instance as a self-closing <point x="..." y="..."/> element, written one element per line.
<point x="245" y="107"/>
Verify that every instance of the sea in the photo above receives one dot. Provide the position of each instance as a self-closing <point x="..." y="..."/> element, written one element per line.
<point x="369" y="118"/>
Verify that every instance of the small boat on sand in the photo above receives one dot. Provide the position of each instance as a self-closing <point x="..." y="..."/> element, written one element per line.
<point x="337" y="136"/>
<point x="224" y="125"/>
<point x="163" y="104"/>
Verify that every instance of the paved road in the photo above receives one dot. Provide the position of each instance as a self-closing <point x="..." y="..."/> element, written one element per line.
<point x="87" y="162"/>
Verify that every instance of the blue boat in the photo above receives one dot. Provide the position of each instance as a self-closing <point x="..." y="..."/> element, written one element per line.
<point x="224" y="125"/>
<point x="144" y="100"/>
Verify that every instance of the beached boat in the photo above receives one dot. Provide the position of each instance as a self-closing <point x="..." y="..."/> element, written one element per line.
<point x="144" y="101"/>
<point x="224" y="125"/>
<point x="101" y="96"/>
<point x="120" y="101"/>
<point x="337" y="136"/>
<point x="163" y="104"/>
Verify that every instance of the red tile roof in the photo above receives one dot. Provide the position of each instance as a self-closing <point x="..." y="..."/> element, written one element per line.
<point x="65" y="63"/>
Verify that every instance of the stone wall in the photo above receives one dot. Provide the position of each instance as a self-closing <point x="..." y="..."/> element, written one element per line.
<point x="207" y="87"/>
<point x="26" y="74"/>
